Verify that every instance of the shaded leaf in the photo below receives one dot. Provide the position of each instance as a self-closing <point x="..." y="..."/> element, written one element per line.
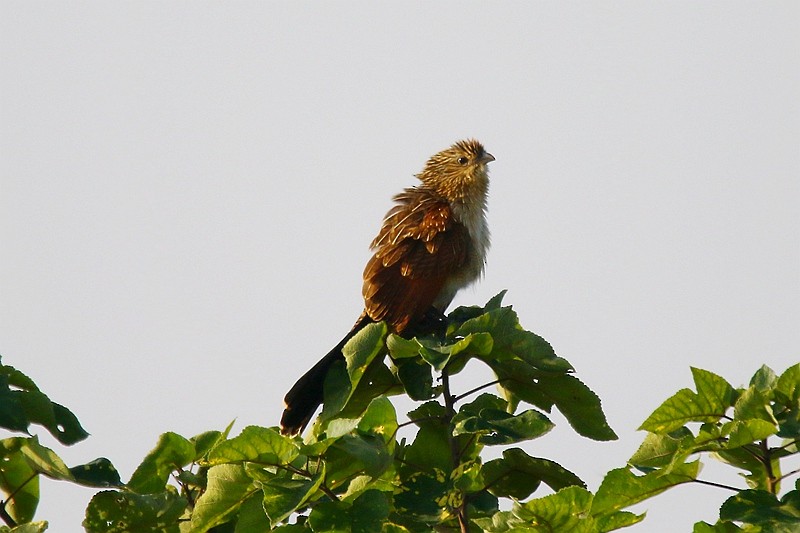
<point x="417" y="379"/>
<point x="764" y="509"/>
<point x="19" y="478"/>
<point x="366" y="514"/>
<point x="97" y="473"/>
<point x="518" y="475"/>
<point x="579" y="405"/>
<point x="123" y="512"/>
<point x="282" y="497"/>
<point x="494" y="426"/>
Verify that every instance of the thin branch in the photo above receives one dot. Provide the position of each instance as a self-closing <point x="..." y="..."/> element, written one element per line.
<point x="787" y="474"/>
<point x="476" y="389"/>
<point x="449" y="403"/>
<point x="718" y="485"/>
<point x="767" y="461"/>
<point x="3" y="512"/>
<point x="10" y="522"/>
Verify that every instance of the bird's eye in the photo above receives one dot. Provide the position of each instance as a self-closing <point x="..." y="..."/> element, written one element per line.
<point x="463" y="160"/>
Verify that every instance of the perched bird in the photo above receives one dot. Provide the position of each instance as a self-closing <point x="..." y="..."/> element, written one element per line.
<point x="432" y="243"/>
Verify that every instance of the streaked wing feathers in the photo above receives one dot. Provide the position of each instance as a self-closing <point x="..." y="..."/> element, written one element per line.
<point x="419" y="246"/>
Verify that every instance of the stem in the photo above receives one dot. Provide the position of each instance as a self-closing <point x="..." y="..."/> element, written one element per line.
<point x="455" y="453"/>
<point x="772" y="481"/>
<point x="718" y="485"/>
<point x="3" y="513"/>
<point x="787" y="474"/>
<point x="476" y="389"/>
<point x="10" y="522"/>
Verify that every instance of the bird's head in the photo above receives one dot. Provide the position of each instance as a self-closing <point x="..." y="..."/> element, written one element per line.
<point x="460" y="172"/>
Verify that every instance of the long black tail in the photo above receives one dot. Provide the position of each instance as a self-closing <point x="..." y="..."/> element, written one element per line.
<point x="306" y="394"/>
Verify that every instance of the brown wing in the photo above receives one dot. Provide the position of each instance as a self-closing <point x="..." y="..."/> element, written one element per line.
<point x="419" y="247"/>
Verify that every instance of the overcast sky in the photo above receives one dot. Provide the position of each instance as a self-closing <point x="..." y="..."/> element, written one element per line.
<point x="189" y="190"/>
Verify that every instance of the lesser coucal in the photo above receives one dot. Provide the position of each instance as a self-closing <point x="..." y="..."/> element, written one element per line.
<point x="432" y="243"/>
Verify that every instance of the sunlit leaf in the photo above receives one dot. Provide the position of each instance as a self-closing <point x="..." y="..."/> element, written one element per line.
<point x="228" y="487"/>
<point x="714" y="396"/>
<point x="622" y="488"/>
<point x="563" y="512"/>
<point x="263" y="445"/>
<point x="171" y="452"/>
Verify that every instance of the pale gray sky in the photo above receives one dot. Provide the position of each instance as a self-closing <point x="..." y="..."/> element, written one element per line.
<point x="189" y="190"/>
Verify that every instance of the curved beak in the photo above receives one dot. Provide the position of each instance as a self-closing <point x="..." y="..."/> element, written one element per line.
<point x="486" y="158"/>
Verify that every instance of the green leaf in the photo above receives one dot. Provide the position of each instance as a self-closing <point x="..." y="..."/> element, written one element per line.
<point x="789" y="384"/>
<point x="762" y="508"/>
<point x="355" y="454"/>
<point x="421" y="495"/>
<point x="660" y="450"/>
<point x="417" y="379"/>
<point x="28" y="405"/>
<point x="435" y="354"/>
<point x="97" y="473"/>
<point x="123" y="512"/>
<point x="204" y="442"/>
<point x="719" y="527"/>
<point x="171" y="452"/>
<point x="431" y="447"/>
<point x="748" y="431"/>
<point x="510" y="341"/>
<point x="376" y="381"/>
<point x="67" y="429"/>
<point x="44" y="460"/>
<point x="743" y="458"/>
<point x="618" y="520"/>
<point x="252" y="516"/>
<point x="348" y="393"/>
<point x="19" y="478"/>
<point x="564" y="512"/>
<point x="12" y="415"/>
<point x="228" y="487"/>
<point x="579" y="405"/>
<point x="380" y="419"/>
<point x="366" y="514"/>
<point x="400" y="348"/>
<point x="505" y="522"/>
<point x="462" y="314"/>
<point x="254" y="443"/>
<point x="764" y="379"/>
<point x="30" y="527"/>
<point x="753" y="404"/>
<point x="714" y="396"/>
<point x="494" y="426"/>
<point x="282" y="497"/>
<point x="518" y="475"/>
<point x="621" y="488"/>
<point x="363" y="348"/>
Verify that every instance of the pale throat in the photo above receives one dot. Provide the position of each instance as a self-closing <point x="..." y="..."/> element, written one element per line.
<point x="469" y="210"/>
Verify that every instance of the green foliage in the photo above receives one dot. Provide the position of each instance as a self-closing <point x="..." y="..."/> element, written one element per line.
<point x="361" y="469"/>
<point x="23" y="459"/>
<point x="753" y="429"/>
<point x="353" y="473"/>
